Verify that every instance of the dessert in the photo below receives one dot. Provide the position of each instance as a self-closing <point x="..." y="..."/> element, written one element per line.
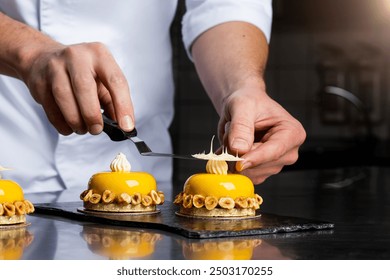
<point x="120" y="244"/>
<point x="13" y="206"/>
<point x="217" y="193"/>
<point x="122" y="190"/>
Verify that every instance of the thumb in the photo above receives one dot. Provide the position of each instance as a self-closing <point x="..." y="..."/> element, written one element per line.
<point x="241" y="129"/>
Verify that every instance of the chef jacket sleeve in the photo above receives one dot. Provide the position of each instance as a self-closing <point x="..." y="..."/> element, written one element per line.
<point x="204" y="14"/>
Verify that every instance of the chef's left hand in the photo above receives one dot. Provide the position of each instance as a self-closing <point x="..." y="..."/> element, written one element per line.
<point x="261" y="131"/>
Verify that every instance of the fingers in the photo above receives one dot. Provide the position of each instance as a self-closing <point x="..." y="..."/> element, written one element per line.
<point x="266" y="159"/>
<point x="275" y="145"/>
<point x="238" y="127"/>
<point x="66" y="103"/>
<point x="279" y="147"/>
<point x="55" y="117"/>
<point x="73" y="83"/>
<point x="115" y="82"/>
<point x="263" y="133"/>
<point x="41" y="92"/>
<point x="106" y="101"/>
<point x="85" y="96"/>
<point x="260" y="173"/>
<point x="267" y="154"/>
<point x="221" y="130"/>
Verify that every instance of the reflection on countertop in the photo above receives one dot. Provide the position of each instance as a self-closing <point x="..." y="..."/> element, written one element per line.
<point x="13" y="241"/>
<point x="120" y="243"/>
<point x="246" y="248"/>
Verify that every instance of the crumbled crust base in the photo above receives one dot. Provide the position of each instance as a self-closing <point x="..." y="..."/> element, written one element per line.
<point x="112" y="207"/>
<point x="110" y="202"/>
<point x="218" y="212"/>
<point x="11" y="220"/>
<point x="211" y="206"/>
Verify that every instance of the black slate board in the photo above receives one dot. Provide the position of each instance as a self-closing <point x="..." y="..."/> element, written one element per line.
<point x="167" y="220"/>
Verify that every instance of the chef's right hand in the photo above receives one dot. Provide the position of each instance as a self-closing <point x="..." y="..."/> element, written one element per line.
<point x="74" y="82"/>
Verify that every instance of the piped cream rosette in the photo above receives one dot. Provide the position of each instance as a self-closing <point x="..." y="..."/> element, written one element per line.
<point x="122" y="190"/>
<point x="217" y="193"/>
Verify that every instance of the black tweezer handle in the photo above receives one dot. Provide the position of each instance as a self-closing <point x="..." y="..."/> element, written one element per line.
<point x="111" y="128"/>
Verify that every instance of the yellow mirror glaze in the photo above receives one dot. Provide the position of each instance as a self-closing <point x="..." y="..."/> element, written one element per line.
<point x="231" y="185"/>
<point x="10" y="191"/>
<point x="123" y="182"/>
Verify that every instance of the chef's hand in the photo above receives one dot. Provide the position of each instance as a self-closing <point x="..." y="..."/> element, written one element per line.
<point x="74" y="82"/>
<point x="261" y="131"/>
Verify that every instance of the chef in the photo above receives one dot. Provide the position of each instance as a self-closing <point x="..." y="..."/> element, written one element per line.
<point x="62" y="61"/>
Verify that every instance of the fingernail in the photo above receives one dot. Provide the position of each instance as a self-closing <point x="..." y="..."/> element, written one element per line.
<point x="239" y="144"/>
<point x="127" y="123"/>
<point x="95" y="129"/>
<point x="242" y="165"/>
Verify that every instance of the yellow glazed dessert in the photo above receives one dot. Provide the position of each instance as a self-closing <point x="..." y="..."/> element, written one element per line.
<point x="122" y="190"/>
<point x="13" y="206"/>
<point x="217" y="193"/>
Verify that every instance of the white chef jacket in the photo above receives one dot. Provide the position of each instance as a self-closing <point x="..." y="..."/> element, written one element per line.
<point x="137" y="34"/>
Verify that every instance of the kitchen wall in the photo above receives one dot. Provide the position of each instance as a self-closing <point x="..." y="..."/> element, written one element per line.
<point x="195" y="119"/>
<point x="315" y="44"/>
<point x="338" y="43"/>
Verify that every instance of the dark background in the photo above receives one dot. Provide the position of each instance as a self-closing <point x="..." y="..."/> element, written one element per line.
<point x="314" y="44"/>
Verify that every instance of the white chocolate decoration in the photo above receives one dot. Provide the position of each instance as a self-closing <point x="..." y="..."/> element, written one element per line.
<point x="225" y="156"/>
<point x="217" y="167"/>
<point x="3" y="169"/>
<point x="120" y="164"/>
